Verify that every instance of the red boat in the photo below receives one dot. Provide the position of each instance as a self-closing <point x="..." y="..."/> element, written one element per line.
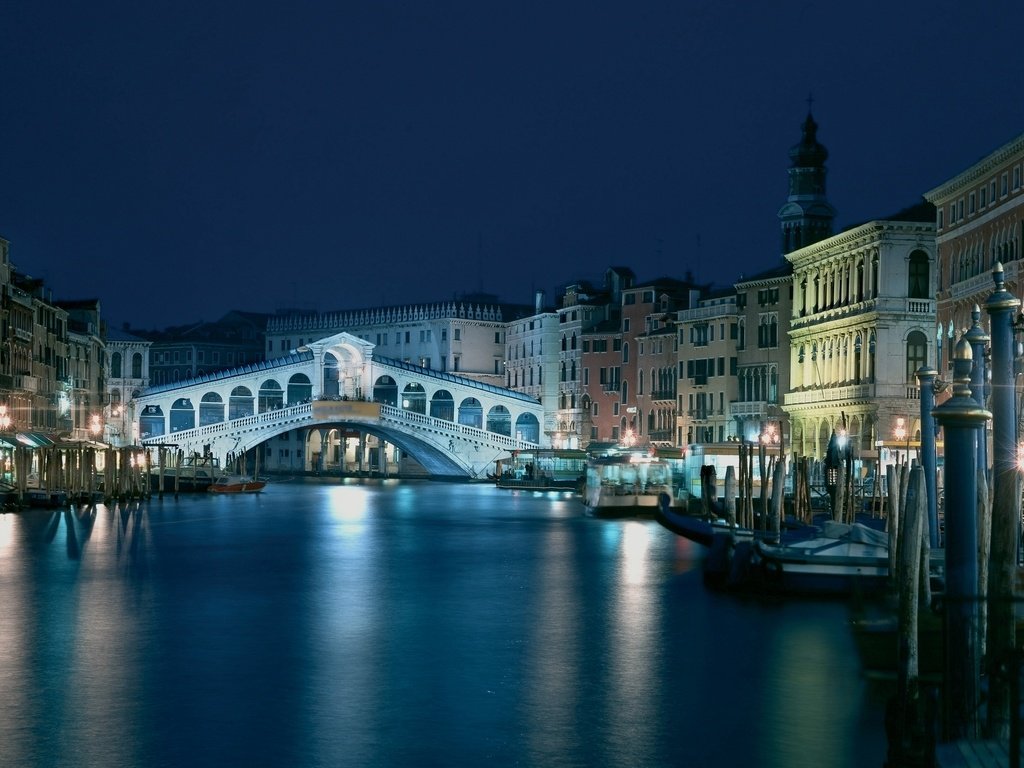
<point x="236" y="484"/>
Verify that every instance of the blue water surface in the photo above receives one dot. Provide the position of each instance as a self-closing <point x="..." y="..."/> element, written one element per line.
<point x="405" y="624"/>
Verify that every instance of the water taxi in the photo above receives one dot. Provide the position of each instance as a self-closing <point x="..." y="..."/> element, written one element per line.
<point x="626" y="484"/>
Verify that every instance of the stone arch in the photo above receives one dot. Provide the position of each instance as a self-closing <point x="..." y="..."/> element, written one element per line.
<point x="271" y="396"/>
<point x="471" y="413"/>
<point x="183" y="415"/>
<point x="240" y="403"/>
<point x="442" y="405"/>
<point x="385" y="390"/>
<point x="499" y="420"/>
<point x="300" y="389"/>
<point x="528" y="428"/>
<point x="330" y="375"/>
<point x="151" y="422"/>
<point x="414" y="398"/>
<point x="211" y="409"/>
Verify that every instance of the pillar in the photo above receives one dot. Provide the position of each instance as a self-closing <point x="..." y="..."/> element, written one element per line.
<point x="960" y="418"/>
<point x="1001" y="306"/>
<point x="926" y="381"/>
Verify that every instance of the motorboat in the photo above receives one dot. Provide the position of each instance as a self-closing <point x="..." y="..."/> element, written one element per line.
<point x="843" y="559"/>
<point x="194" y="474"/>
<point x="236" y="484"/>
<point x="626" y="485"/>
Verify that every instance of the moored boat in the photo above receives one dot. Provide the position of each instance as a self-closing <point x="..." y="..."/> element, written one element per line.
<point x="626" y="485"/>
<point x="194" y="474"/>
<point x="236" y="484"/>
<point x="843" y="559"/>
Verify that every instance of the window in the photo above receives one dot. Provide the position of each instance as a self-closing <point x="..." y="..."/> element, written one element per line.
<point x="981" y="197"/>
<point x="457" y="334"/>
<point x="115" y="365"/>
<point x="917" y="354"/>
<point x="970" y="204"/>
<point x="625" y="325"/>
<point x="625" y="353"/>
<point x="1003" y="184"/>
<point x="497" y="337"/>
<point x="917" y="277"/>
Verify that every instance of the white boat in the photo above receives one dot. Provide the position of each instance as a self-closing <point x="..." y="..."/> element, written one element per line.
<point x="626" y="484"/>
<point x="844" y="559"/>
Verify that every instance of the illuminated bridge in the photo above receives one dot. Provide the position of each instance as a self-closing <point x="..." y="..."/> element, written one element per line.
<point x="452" y="425"/>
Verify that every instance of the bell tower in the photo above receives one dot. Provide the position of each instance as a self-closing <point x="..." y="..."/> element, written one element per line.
<point x="807" y="215"/>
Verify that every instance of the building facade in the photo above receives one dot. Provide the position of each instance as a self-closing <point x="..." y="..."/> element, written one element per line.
<point x="979" y="220"/>
<point x="465" y="337"/>
<point x="861" y="327"/>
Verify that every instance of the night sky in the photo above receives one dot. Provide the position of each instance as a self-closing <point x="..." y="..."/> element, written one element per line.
<point x="178" y="160"/>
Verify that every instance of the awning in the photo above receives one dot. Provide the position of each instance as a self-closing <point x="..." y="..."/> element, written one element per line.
<point x="33" y="439"/>
<point x="7" y="441"/>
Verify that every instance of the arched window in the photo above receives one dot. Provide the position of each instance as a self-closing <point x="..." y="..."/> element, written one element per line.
<point x="137" y="365"/>
<point x="115" y="365"/>
<point x="917" y="354"/>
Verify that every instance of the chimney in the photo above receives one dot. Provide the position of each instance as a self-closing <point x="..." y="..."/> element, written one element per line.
<point x="538" y="301"/>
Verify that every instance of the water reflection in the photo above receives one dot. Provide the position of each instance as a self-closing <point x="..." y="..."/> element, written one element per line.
<point x="402" y="624"/>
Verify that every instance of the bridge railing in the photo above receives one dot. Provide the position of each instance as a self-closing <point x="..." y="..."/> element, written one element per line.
<point x="210" y="431"/>
<point x="454" y="428"/>
<point x="303" y="411"/>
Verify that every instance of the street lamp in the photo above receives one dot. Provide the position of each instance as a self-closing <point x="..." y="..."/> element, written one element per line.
<point x="5" y="418"/>
<point x="95" y="427"/>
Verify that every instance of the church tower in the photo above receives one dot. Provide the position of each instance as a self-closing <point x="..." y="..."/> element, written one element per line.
<point x="807" y="216"/>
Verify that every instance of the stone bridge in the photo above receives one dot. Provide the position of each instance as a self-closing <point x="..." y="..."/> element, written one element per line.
<point x="453" y="426"/>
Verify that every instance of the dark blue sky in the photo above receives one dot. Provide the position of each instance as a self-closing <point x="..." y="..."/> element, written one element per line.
<point x="177" y="160"/>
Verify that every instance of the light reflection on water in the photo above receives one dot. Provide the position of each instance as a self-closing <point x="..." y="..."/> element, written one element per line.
<point x="403" y="624"/>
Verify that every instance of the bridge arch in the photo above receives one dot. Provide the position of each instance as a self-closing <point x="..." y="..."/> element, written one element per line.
<point x="385" y="390"/>
<point x="471" y="413"/>
<point x="211" y="409"/>
<point x="183" y="415"/>
<point x="271" y="396"/>
<point x="414" y="397"/>
<point x="240" y="404"/>
<point x="442" y="405"/>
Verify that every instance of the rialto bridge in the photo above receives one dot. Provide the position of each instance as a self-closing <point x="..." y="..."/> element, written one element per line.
<point x="334" y="390"/>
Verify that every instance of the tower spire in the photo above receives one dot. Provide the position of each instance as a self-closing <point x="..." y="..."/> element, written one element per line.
<point x="807" y="215"/>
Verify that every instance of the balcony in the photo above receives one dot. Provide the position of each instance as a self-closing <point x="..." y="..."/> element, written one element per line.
<point x="855" y="392"/>
<point x="26" y="383"/>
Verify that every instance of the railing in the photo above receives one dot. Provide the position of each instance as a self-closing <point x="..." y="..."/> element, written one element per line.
<point x="303" y="413"/>
<point x="854" y="392"/>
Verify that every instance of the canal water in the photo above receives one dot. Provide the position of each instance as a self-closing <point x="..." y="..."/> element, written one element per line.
<point x="405" y="624"/>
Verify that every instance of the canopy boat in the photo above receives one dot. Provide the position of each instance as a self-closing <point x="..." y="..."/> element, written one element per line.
<point x="236" y="484"/>
<point x="195" y="474"/>
<point x="703" y="530"/>
<point x="544" y="469"/>
<point x="626" y="484"/>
